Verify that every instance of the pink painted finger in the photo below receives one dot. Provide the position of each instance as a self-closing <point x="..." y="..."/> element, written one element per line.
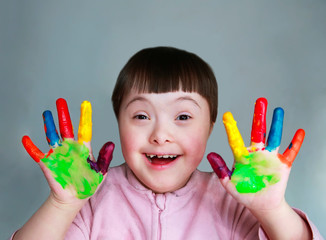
<point x="104" y="158"/>
<point x="291" y="152"/>
<point x="258" y="130"/>
<point x="219" y="165"/>
<point x="65" y="125"/>
<point x="32" y="150"/>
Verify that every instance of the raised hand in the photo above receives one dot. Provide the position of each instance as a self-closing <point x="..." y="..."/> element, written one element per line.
<point x="259" y="175"/>
<point x="69" y="166"/>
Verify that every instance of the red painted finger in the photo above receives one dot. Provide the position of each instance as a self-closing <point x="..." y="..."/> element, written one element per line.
<point x="32" y="150"/>
<point x="258" y="130"/>
<point x="291" y="152"/>
<point x="65" y="125"/>
<point x="219" y="166"/>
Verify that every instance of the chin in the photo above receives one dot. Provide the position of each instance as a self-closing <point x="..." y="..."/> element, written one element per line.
<point x="164" y="188"/>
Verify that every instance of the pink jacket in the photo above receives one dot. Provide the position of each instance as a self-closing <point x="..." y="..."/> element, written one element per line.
<point x="124" y="209"/>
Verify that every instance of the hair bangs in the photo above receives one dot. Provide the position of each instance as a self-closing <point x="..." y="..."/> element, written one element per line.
<point x="166" y="76"/>
<point x="166" y="69"/>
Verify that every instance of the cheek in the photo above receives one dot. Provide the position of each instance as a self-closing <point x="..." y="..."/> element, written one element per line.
<point x="195" y="143"/>
<point x="126" y="140"/>
<point x="130" y="141"/>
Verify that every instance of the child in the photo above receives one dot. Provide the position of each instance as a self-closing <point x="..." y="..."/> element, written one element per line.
<point x="165" y="101"/>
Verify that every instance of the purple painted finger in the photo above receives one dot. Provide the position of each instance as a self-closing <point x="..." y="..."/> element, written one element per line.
<point x="105" y="156"/>
<point x="93" y="165"/>
<point x="219" y="165"/>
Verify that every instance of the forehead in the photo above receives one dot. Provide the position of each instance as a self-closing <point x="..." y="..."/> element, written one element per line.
<point x="169" y="98"/>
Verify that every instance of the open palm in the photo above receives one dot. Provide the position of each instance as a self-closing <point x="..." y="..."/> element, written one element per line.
<point x="69" y="166"/>
<point x="260" y="174"/>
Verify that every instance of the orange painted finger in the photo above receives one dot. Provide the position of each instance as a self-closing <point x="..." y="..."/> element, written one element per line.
<point x="291" y="152"/>
<point x="65" y="125"/>
<point x="258" y="130"/>
<point x="32" y="150"/>
<point x="235" y="140"/>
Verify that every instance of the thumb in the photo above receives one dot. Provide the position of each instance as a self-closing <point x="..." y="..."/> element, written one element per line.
<point x="104" y="158"/>
<point x="219" y="166"/>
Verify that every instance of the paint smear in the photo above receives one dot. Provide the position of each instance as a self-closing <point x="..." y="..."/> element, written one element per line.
<point x="258" y="132"/>
<point x="275" y="133"/>
<point x="85" y="123"/>
<point x="235" y="140"/>
<point x="69" y="167"/>
<point x="51" y="133"/>
<point x="65" y="125"/>
<point x="255" y="172"/>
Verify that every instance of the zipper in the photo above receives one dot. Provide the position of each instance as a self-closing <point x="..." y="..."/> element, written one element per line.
<point x="159" y="227"/>
<point x="160" y="200"/>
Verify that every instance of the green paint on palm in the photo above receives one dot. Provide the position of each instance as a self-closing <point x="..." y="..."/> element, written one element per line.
<point x="69" y="167"/>
<point x="255" y="172"/>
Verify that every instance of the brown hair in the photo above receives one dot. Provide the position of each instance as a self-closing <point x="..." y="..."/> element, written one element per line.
<point x="166" y="69"/>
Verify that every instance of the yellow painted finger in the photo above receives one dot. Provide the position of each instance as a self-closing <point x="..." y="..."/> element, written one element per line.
<point x="235" y="140"/>
<point x="85" y="123"/>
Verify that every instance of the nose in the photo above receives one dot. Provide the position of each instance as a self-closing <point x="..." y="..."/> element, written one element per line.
<point x="161" y="134"/>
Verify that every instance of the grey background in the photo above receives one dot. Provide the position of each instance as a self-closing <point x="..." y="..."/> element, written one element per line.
<point x="75" y="50"/>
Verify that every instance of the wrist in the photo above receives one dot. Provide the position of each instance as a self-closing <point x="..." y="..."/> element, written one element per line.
<point x="272" y="212"/>
<point x="51" y="220"/>
<point x="282" y="222"/>
<point x="71" y="205"/>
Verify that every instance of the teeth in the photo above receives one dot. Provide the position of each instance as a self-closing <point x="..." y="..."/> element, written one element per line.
<point x="161" y="156"/>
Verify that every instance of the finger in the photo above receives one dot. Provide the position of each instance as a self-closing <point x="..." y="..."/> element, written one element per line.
<point x="65" y="125"/>
<point x="275" y="133"/>
<point x="50" y="130"/>
<point x="85" y="123"/>
<point x="104" y="158"/>
<point x="235" y="140"/>
<point x="219" y="166"/>
<point x="291" y="152"/>
<point x="32" y="150"/>
<point x="258" y="130"/>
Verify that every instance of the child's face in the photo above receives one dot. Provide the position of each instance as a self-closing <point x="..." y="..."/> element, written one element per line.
<point x="163" y="136"/>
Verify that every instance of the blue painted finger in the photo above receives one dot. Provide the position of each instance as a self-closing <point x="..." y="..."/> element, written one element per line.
<point x="50" y="131"/>
<point x="275" y="133"/>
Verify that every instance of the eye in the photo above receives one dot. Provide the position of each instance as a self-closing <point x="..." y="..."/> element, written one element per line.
<point x="183" y="117"/>
<point x="140" y="117"/>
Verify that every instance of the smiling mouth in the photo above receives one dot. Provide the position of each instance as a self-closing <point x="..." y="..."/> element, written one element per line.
<point x="161" y="159"/>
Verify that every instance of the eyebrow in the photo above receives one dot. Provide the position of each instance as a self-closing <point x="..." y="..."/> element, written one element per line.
<point x="138" y="98"/>
<point x="184" y="98"/>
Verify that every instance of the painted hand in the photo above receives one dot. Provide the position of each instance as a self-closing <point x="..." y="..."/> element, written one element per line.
<point x="70" y="164"/>
<point x="258" y="170"/>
